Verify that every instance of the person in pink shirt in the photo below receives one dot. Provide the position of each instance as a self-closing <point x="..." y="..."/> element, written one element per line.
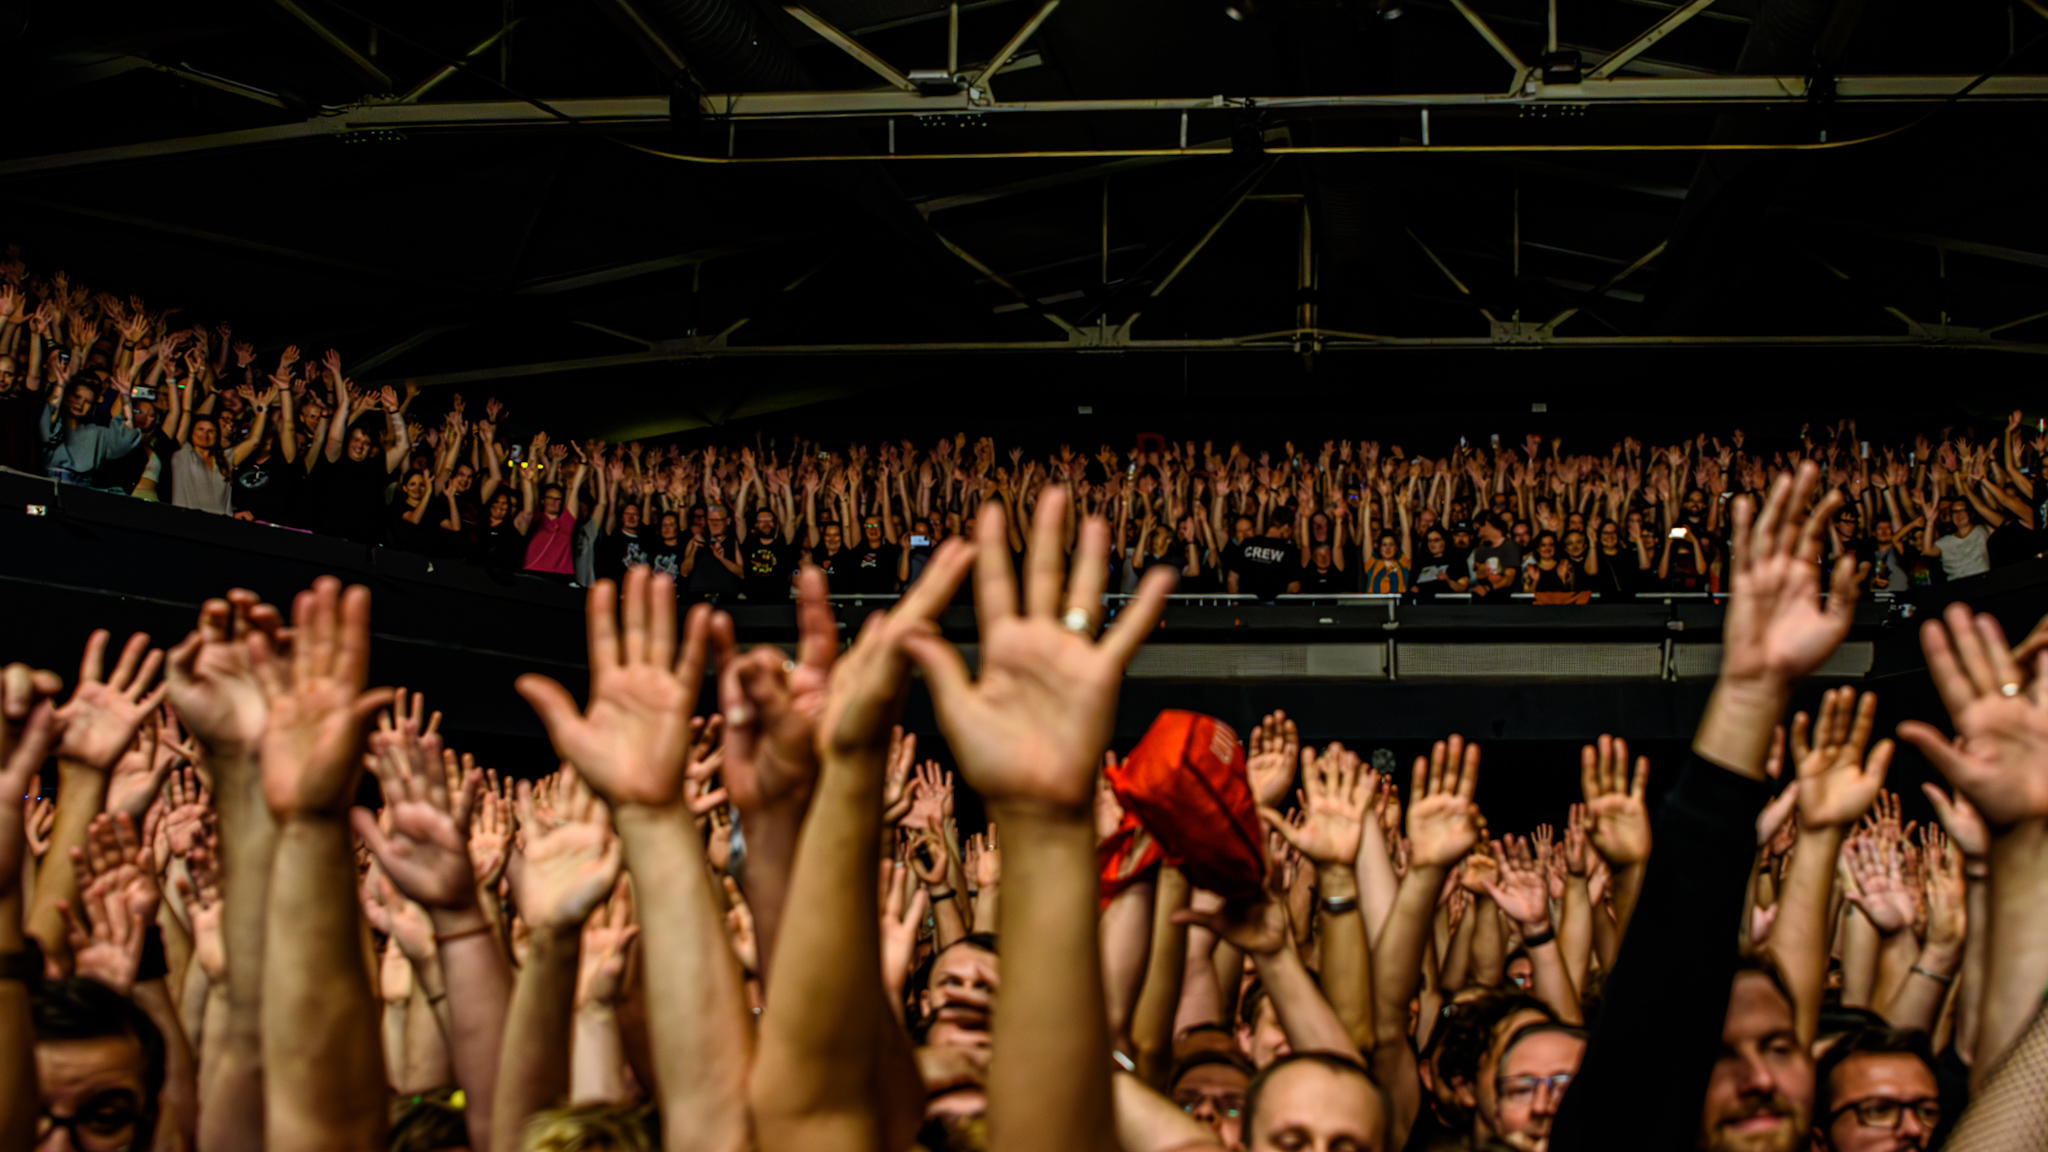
<point x="549" y="525"/>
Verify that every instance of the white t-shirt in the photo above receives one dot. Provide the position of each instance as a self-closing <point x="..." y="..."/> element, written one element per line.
<point x="1965" y="555"/>
<point x="195" y="485"/>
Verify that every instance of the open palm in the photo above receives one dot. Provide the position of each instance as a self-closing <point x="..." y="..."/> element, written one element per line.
<point x="211" y="676"/>
<point x="1836" y="783"/>
<point x="569" y="871"/>
<point x="1777" y="629"/>
<point x="103" y="715"/>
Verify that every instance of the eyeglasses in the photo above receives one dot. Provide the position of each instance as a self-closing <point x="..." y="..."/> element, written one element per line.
<point x="1522" y="1089"/>
<point x="1879" y="1112"/>
<point x="104" y="1123"/>
<point x="1226" y="1104"/>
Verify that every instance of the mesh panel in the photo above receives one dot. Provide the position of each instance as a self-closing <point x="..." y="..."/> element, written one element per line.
<point x="1258" y="661"/>
<point x="1530" y="661"/>
<point x="1704" y="660"/>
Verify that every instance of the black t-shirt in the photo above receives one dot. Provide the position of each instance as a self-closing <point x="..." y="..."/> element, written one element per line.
<point x="707" y="575"/>
<point x="1431" y="575"/>
<point x="501" y="547"/>
<point x="838" y="566"/>
<point x="768" y="564"/>
<point x="21" y="442"/>
<point x="269" y="489"/>
<point x="616" y="552"/>
<point x="2010" y="543"/>
<point x="667" y="557"/>
<point x="426" y="538"/>
<point x="1265" y="565"/>
<point x="1330" y="579"/>
<point x="348" y="497"/>
<point x="869" y="569"/>
<point x="1619" y="574"/>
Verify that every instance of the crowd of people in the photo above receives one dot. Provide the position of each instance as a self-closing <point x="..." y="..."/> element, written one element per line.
<point x="766" y="927"/>
<point x="109" y="393"/>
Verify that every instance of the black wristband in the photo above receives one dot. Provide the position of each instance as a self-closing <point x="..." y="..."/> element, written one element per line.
<point x="942" y="894"/>
<point x="1541" y="938"/>
<point x="153" y="966"/>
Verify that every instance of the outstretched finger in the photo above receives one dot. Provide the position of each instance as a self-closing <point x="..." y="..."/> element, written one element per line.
<point x="1045" y="558"/>
<point x="1969" y="647"/>
<point x="995" y="587"/>
<point x="817" y="630"/>
<point x="1140" y="615"/>
<point x="601" y="623"/>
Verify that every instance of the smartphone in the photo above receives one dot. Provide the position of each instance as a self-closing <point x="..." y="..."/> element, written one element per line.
<point x="1496" y="439"/>
<point x="144" y="392"/>
<point x="1461" y="442"/>
<point x="1909" y="458"/>
<point x="920" y="541"/>
<point x="1678" y="533"/>
<point x="1866" y="449"/>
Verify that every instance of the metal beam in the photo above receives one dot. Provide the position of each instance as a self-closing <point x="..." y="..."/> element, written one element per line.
<point x="850" y="46"/>
<point x="1609" y="283"/>
<point x="997" y="279"/>
<point x="339" y="48"/>
<point x="1095" y="338"/>
<point x="576" y="281"/>
<point x="1002" y="57"/>
<point x="653" y="42"/>
<point x="1649" y="36"/>
<point x="446" y="70"/>
<point x="619" y="112"/>
<point x="1491" y="37"/>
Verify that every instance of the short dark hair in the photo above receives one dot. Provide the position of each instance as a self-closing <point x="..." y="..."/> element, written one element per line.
<point x="427" y="1122"/>
<point x="1463" y="1036"/>
<point x="1330" y="1060"/>
<point x="77" y="1008"/>
<point x="1207" y="1056"/>
<point x="1876" y="1039"/>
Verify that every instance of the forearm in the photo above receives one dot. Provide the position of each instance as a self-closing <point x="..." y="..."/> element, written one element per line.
<point x="1917" y="1002"/>
<point x="1489" y="944"/>
<point x="1969" y="996"/>
<point x="1575" y="931"/>
<point x="2016" y="960"/>
<point x="1126" y="941"/>
<point x="1896" y="955"/>
<point x="1377" y="884"/>
<point x="1552" y="984"/>
<point x="1152" y="1022"/>
<point x="1149" y="1122"/>
<point x="178" y="1100"/>
<point x="1051" y="1090"/>
<point x="81" y="794"/>
<point x="1346" y="959"/>
<point x="533" y="1064"/>
<point x="1800" y="937"/>
<point x="597" y="1062"/>
<point x="480" y="986"/>
<point x="701" y="1030"/>
<point x="323" y="1082"/>
<point x="1860" y="947"/>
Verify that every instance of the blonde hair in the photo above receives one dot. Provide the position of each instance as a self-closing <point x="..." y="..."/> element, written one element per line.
<point x="590" y="1128"/>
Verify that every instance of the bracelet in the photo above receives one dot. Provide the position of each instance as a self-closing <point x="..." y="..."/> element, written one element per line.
<point x="947" y="894"/>
<point x="1937" y="977"/>
<point x="1539" y="939"/>
<point x="479" y="930"/>
<point x="1339" y="905"/>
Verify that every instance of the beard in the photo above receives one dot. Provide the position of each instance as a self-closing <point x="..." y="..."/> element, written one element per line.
<point x="1785" y="1137"/>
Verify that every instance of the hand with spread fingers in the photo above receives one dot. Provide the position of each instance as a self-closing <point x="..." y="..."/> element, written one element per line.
<point x="425" y="851"/>
<point x="1269" y="757"/>
<point x="1618" y="814"/>
<point x="1333" y="805"/>
<point x="1999" y="757"/>
<point x="106" y="710"/>
<point x="568" y="870"/>
<point x="1443" y="823"/>
<point x="318" y="703"/>
<point x="1837" y="782"/>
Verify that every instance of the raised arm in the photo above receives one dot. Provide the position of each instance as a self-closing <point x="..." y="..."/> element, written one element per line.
<point x="630" y="745"/>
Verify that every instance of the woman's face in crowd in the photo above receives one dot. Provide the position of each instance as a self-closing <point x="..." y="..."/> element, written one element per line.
<point x="501" y="507"/>
<point x="1610" y="536"/>
<point x="671" y="528"/>
<point x="1576" y="521"/>
<point x="1434" y="541"/>
<point x="1318" y="528"/>
<point x="1883" y="531"/>
<point x="1186" y="529"/>
<point x="551" y="501"/>
<point x="83" y="397"/>
<point x="416" y="487"/>
<point x="10" y="373"/>
<point x="359" y="444"/>
<point x="629" y="516"/>
<point x="1390" y="547"/>
<point x="1575" y="544"/>
<point x="1546" y="546"/>
<point x="205" y="434"/>
<point x="460" y="480"/>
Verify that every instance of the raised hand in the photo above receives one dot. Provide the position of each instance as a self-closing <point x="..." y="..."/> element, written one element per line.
<point x="28" y="727"/>
<point x="608" y="937"/>
<point x="1270" y="753"/>
<point x="1029" y="728"/>
<point x="1777" y="630"/>
<point x="490" y="838"/>
<point x="2000" y="713"/>
<point x="425" y="850"/>
<point x="200" y="889"/>
<point x="772" y="706"/>
<point x="1334" y="802"/>
<point x="1619" y="816"/>
<point x="318" y="703"/>
<point x="1877" y="883"/>
<point x="1960" y="820"/>
<point x="630" y="744"/>
<point x="104" y="712"/>
<point x="211" y="678"/>
<point x="568" y="870"/>
<point x="1443" y="823"/>
<point x="1836" y="782"/>
<point x="897" y="794"/>
<point x="1944" y="892"/>
<point x="139" y="774"/>
<point x="903" y="903"/>
<point x="106" y="944"/>
<point x="1521" y="891"/>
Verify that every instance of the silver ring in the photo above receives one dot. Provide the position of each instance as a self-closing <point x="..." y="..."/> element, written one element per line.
<point x="2009" y="689"/>
<point x="788" y="666"/>
<point x="1076" y="621"/>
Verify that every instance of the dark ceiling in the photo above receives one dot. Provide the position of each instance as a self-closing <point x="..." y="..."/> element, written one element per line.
<point x="551" y="253"/>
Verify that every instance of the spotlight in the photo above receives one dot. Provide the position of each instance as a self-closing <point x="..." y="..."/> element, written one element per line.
<point x="1241" y="10"/>
<point x="1389" y="9"/>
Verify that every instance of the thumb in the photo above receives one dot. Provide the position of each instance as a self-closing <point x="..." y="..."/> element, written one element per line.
<point x="551" y="702"/>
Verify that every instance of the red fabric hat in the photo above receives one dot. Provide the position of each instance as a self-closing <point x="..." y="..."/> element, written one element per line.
<point x="1186" y="783"/>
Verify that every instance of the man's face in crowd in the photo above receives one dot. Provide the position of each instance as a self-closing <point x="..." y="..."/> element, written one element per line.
<point x="99" y="1082"/>
<point x="871" y="530"/>
<point x="1762" y="1087"/>
<point x="671" y="528"/>
<point x="764" y="524"/>
<point x="831" y="537"/>
<point x="1308" y="1107"/>
<point x="1525" y="1090"/>
<point x="1462" y="539"/>
<point x="1318" y="528"/>
<point x="1518" y="971"/>
<point x="1883" y="531"/>
<point x="696" y="521"/>
<point x="1279" y="529"/>
<point x="1959" y="515"/>
<point x="1214" y="1094"/>
<point x="1521" y="533"/>
<point x="1265" y="1041"/>
<point x="1867" y="1078"/>
<point x="359" y="444"/>
<point x="629" y="517"/>
<point x="714" y="522"/>
<point x="962" y="997"/>
<point x="1434" y="542"/>
<point x="1575" y="544"/>
<point x="1695" y="504"/>
<point x="1425" y="519"/>
<point x="1321" y="555"/>
<point x="83" y="398"/>
<point x="1483" y="1095"/>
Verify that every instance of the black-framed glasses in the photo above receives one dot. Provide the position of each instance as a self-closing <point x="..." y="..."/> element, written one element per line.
<point x="103" y="1123"/>
<point x="1882" y="1112"/>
